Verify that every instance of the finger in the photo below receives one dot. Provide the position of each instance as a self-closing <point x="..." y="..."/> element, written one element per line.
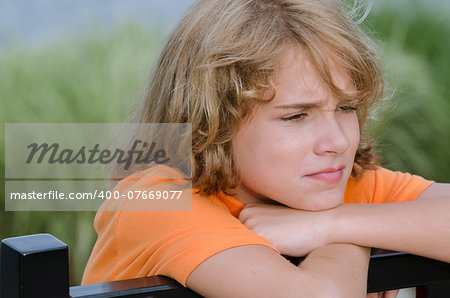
<point x="265" y="206"/>
<point x="253" y="204"/>
<point x="391" y="294"/>
<point x="245" y="214"/>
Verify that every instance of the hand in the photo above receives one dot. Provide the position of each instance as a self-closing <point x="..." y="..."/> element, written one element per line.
<point x="292" y="232"/>
<point x="386" y="294"/>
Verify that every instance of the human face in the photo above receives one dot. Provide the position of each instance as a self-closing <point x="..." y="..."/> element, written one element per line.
<point x="298" y="149"/>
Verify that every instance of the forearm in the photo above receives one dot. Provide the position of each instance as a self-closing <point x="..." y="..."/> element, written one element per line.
<point x="421" y="227"/>
<point x="338" y="270"/>
<point x="343" y="267"/>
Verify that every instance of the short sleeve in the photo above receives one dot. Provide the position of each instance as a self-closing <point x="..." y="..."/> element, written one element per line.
<point x="133" y="244"/>
<point x="174" y="243"/>
<point x="396" y="187"/>
<point x="384" y="186"/>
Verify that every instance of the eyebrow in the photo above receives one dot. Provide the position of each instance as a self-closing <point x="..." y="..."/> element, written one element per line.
<point x="301" y="106"/>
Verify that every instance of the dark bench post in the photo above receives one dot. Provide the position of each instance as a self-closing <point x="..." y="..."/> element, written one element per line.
<point x="438" y="289"/>
<point x="34" y="266"/>
<point x="395" y="270"/>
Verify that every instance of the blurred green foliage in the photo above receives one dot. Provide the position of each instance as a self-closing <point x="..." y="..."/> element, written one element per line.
<point x="89" y="80"/>
<point x="93" y="80"/>
<point x="414" y="133"/>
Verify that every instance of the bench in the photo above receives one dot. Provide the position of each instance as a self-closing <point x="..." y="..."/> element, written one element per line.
<point x="37" y="266"/>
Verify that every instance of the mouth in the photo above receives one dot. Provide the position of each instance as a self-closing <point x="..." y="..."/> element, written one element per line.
<point x="330" y="175"/>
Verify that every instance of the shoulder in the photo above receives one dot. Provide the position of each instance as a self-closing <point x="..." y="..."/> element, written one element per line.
<point x="171" y="241"/>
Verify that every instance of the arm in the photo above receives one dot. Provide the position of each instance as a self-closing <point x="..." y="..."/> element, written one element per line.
<point x="258" y="271"/>
<point x="421" y="227"/>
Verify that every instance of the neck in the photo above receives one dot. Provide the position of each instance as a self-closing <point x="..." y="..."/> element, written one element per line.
<point x="246" y="196"/>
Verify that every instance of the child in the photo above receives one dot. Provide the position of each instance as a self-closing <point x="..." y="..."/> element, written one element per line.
<point x="277" y="92"/>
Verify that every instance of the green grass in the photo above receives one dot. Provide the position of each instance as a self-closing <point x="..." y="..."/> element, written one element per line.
<point x="93" y="79"/>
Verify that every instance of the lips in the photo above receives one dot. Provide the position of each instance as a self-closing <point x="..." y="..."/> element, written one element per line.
<point x="330" y="175"/>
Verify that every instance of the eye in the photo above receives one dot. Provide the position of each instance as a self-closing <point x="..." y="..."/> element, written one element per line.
<point x="346" y="108"/>
<point x="294" y="117"/>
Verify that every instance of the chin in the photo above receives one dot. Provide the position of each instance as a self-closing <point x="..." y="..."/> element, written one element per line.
<point x="321" y="203"/>
<point x="326" y="206"/>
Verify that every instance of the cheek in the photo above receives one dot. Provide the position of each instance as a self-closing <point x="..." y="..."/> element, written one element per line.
<point x="264" y="154"/>
<point x="246" y="146"/>
<point x="352" y="131"/>
<point x="357" y="133"/>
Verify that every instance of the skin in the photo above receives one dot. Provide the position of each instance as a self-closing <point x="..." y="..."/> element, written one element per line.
<point x="275" y="160"/>
<point x="276" y="151"/>
<point x="308" y="148"/>
<point x="280" y="201"/>
<point x="389" y="226"/>
<point x="298" y="149"/>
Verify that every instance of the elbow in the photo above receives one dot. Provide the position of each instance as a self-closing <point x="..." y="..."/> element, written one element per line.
<point x="321" y="286"/>
<point x="332" y="289"/>
<point x="329" y="289"/>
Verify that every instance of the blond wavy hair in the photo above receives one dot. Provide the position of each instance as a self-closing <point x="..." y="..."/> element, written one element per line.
<point x="222" y="55"/>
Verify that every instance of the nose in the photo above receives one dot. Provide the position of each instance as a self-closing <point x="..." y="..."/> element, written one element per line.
<point x="331" y="136"/>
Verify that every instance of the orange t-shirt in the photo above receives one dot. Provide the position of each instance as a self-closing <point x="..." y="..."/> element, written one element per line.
<point x="134" y="244"/>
